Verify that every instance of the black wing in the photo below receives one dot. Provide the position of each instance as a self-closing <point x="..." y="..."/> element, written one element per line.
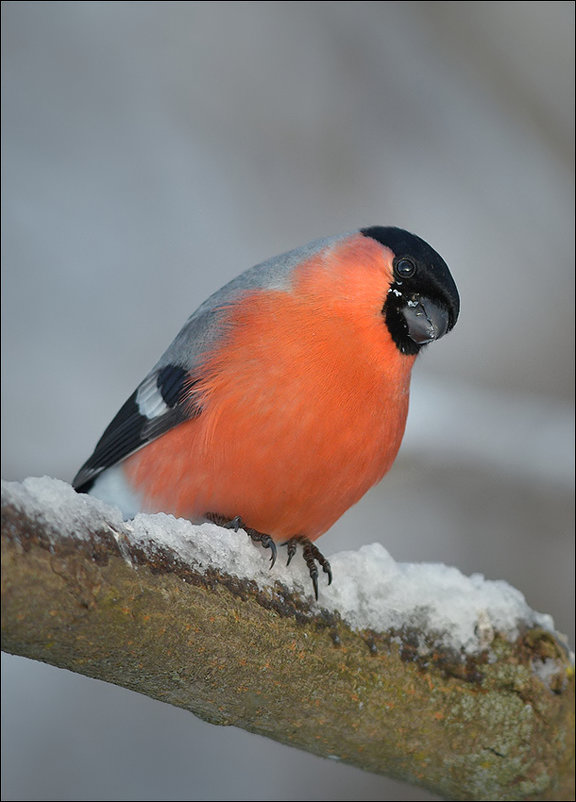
<point x="164" y="399"/>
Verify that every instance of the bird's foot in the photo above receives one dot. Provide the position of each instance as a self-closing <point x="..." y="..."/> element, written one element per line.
<point x="312" y="555"/>
<point x="237" y="523"/>
<point x="310" y="552"/>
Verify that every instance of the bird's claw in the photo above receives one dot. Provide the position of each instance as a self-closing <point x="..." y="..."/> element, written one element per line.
<point x="312" y="555"/>
<point x="310" y="552"/>
<point x="265" y="540"/>
<point x="237" y="523"/>
<point x="234" y="524"/>
<point x="291" y="549"/>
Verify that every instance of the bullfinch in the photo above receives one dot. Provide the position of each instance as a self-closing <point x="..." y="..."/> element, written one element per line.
<point x="284" y="397"/>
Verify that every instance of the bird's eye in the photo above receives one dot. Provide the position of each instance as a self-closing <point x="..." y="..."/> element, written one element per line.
<point x="404" y="267"/>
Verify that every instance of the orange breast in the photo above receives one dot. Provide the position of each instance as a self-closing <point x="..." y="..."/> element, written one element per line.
<point x="305" y="403"/>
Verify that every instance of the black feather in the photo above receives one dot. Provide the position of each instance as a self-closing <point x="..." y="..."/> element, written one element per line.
<point x="130" y="429"/>
<point x="173" y="381"/>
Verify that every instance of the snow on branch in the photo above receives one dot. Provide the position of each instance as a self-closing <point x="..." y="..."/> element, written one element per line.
<point x="413" y="671"/>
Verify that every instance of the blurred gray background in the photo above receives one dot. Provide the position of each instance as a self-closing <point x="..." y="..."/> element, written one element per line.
<point x="151" y="151"/>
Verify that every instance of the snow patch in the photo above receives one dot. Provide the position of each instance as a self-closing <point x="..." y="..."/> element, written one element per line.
<point x="370" y="589"/>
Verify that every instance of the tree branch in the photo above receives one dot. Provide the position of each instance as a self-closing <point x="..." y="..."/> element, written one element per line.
<point x="80" y="592"/>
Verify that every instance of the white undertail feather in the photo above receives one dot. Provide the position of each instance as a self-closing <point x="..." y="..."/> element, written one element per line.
<point x="112" y="488"/>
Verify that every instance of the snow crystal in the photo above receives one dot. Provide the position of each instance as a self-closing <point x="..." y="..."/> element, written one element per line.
<point x="370" y="589"/>
<point x="56" y="504"/>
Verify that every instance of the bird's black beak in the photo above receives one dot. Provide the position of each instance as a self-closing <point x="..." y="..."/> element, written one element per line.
<point x="426" y="320"/>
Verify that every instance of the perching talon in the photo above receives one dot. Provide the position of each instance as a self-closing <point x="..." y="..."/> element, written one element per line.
<point x="312" y="555"/>
<point x="237" y="523"/>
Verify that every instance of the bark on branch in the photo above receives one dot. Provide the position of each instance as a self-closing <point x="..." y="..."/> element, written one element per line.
<point x="490" y="727"/>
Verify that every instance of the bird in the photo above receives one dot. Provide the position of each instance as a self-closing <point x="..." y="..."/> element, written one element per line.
<point x="284" y="397"/>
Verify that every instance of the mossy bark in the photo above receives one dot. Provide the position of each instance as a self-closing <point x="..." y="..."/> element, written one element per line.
<point x="486" y="729"/>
